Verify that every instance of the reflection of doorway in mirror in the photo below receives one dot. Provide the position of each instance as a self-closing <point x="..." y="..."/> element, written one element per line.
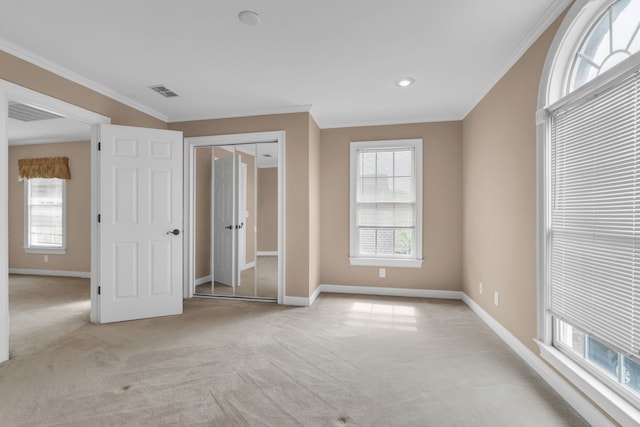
<point x="245" y="190"/>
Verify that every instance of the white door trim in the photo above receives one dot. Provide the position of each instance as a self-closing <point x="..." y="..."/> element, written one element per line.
<point x="190" y="144"/>
<point x="21" y="94"/>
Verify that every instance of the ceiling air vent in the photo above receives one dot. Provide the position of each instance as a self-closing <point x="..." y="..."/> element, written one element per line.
<point x="27" y="113"/>
<point x="164" y="91"/>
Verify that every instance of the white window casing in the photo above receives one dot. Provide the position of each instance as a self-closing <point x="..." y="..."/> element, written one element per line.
<point x="589" y="203"/>
<point x="386" y="203"/>
<point x="45" y="221"/>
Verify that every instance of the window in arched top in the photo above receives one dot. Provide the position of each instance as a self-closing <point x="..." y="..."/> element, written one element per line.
<point x="614" y="37"/>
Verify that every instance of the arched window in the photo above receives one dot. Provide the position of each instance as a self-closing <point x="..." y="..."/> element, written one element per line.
<point x="589" y="204"/>
<point x="614" y="38"/>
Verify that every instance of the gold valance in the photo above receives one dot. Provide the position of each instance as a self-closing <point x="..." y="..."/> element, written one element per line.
<point x="45" y="167"/>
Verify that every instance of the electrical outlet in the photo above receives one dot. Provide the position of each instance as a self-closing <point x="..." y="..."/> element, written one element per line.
<point x="382" y="273"/>
<point x="46" y="258"/>
<point x="480" y="287"/>
<point x="496" y="298"/>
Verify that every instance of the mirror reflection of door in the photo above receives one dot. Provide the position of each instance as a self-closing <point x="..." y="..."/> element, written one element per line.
<point x="236" y="234"/>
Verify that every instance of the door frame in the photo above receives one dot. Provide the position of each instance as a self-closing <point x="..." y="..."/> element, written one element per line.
<point x="24" y="95"/>
<point x="190" y="145"/>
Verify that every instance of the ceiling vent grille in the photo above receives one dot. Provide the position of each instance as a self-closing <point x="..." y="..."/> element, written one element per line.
<point x="164" y="91"/>
<point x="27" y="113"/>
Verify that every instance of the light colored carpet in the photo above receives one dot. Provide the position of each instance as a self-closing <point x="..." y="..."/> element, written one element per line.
<point x="357" y="361"/>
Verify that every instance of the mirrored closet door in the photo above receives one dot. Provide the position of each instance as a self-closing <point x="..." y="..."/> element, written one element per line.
<point x="236" y="221"/>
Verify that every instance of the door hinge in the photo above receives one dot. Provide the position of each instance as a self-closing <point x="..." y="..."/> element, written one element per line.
<point x="99" y="290"/>
<point x="99" y="146"/>
<point x="99" y="217"/>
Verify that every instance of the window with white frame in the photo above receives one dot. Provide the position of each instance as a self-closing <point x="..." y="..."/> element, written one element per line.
<point x="386" y="203"/>
<point x="45" y="215"/>
<point x="591" y="252"/>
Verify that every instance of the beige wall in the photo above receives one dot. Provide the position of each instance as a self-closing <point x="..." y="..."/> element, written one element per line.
<point x="203" y="212"/>
<point x="296" y="127"/>
<point x="268" y="209"/>
<point x="314" y="206"/>
<point x="250" y="223"/>
<point x="500" y="195"/>
<point x="22" y="73"/>
<point x="78" y="254"/>
<point x="442" y="207"/>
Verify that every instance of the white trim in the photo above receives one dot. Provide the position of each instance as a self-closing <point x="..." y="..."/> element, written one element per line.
<point x="248" y="265"/>
<point x="391" y="122"/>
<point x="45" y="251"/>
<point x="386" y="262"/>
<point x="314" y="296"/>
<point x="568" y="393"/>
<point x="391" y="292"/>
<point x="355" y="147"/>
<point x="550" y="15"/>
<point x="4" y="224"/>
<point x="618" y="408"/>
<point x="202" y="280"/>
<point x="26" y="200"/>
<point x="190" y="145"/>
<point x="61" y="273"/>
<point x="41" y="62"/>
<point x="288" y="109"/>
<point x="267" y="253"/>
<point x="27" y="96"/>
<point x="551" y="94"/>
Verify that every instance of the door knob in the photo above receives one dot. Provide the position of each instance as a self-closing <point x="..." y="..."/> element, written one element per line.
<point x="229" y="227"/>
<point x="175" y="232"/>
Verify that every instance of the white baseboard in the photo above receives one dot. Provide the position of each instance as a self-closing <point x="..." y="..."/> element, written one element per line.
<point x="266" y="253"/>
<point x="564" y="389"/>
<point x="314" y="296"/>
<point x="60" y="273"/>
<point x="297" y="301"/>
<point x="248" y="265"/>
<point x="203" y="280"/>
<point x="391" y="292"/>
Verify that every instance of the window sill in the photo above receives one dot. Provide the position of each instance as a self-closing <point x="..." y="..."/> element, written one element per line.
<point x="612" y="403"/>
<point x="45" y="251"/>
<point x="386" y="262"/>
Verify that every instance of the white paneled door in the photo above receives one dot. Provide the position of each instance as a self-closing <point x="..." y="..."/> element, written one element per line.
<point x="140" y="229"/>
<point x="224" y="220"/>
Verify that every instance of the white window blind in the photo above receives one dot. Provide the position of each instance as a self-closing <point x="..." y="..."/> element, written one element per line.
<point x="594" y="241"/>
<point x="45" y="213"/>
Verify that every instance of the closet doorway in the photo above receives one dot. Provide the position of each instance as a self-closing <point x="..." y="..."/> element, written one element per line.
<point x="234" y="231"/>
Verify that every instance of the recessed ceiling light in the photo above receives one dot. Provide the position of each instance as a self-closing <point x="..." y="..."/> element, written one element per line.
<point x="405" y="81"/>
<point x="249" y="17"/>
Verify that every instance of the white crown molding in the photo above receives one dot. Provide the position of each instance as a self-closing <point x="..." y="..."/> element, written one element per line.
<point x="57" y="273"/>
<point x="286" y="109"/>
<point x="41" y="62"/>
<point x="550" y="15"/>
<point x="365" y="123"/>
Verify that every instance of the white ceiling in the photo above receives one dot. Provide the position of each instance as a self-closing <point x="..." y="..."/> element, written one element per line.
<point x="338" y="59"/>
<point x="47" y="131"/>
